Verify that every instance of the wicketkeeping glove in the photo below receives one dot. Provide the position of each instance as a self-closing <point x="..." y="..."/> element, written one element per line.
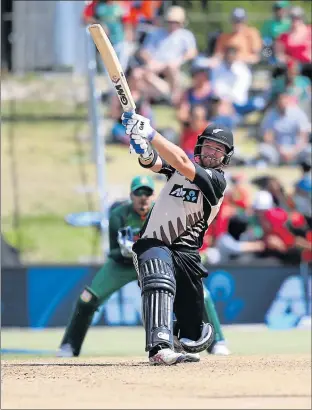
<point x="125" y="247"/>
<point x="124" y="239"/>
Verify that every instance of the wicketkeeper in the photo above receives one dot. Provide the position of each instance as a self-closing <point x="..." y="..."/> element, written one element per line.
<point x="166" y="256"/>
<point x="125" y="222"/>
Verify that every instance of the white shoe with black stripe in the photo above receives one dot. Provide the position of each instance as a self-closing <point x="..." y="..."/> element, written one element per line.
<point x="167" y="357"/>
<point x="189" y="357"/>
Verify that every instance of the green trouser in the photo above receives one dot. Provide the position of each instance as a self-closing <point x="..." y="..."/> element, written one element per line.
<point x="110" y="278"/>
<point x="211" y="315"/>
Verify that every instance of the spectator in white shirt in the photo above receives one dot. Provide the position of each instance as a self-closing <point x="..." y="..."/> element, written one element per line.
<point x="231" y="78"/>
<point x="230" y="246"/>
<point x="285" y="130"/>
<point x="163" y="52"/>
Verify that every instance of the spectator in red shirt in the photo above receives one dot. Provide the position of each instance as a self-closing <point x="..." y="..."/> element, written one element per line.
<point x="88" y="15"/>
<point x="192" y="129"/>
<point x="218" y="227"/>
<point x="238" y="195"/>
<point x="236" y="201"/>
<point x="283" y="238"/>
<point x="296" y="44"/>
<point x="144" y="11"/>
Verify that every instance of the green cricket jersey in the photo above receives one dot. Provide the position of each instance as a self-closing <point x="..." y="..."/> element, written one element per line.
<point x="121" y="217"/>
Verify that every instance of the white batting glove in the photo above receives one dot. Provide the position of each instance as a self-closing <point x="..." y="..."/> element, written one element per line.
<point x="137" y="124"/>
<point x="139" y="145"/>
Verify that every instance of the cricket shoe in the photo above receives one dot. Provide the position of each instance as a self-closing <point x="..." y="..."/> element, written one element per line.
<point x="167" y="357"/>
<point x="189" y="357"/>
<point x="65" y="351"/>
<point x="220" y="349"/>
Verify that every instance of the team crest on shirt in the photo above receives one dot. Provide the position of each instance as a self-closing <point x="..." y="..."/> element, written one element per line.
<point x="187" y="194"/>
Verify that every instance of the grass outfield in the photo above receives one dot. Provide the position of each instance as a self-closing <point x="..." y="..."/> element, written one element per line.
<point x="129" y="341"/>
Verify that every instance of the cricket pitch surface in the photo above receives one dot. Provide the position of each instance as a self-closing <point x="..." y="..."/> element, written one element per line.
<point x="234" y="382"/>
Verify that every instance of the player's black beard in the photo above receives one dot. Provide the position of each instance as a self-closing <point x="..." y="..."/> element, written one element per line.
<point x="213" y="163"/>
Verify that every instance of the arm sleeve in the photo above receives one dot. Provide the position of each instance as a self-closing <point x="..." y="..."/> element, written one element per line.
<point x="211" y="182"/>
<point x="166" y="169"/>
<point x="230" y="244"/>
<point x="189" y="41"/>
<point x="241" y="86"/>
<point x="150" y="41"/>
<point x="267" y="122"/>
<point x="304" y="124"/>
<point x="115" y="223"/>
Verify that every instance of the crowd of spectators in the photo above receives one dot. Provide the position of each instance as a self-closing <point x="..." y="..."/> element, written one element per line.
<point x="270" y="224"/>
<point x="163" y="65"/>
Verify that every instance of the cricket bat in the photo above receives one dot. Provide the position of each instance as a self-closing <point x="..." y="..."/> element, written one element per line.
<point x="113" y="66"/>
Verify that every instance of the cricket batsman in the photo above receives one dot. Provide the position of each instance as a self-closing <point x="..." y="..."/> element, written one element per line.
<point x="166" y="256"/>
<point x="125" y="223"/>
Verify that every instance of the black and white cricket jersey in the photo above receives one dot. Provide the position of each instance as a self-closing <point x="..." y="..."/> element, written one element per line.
<point x="184" y="209"/>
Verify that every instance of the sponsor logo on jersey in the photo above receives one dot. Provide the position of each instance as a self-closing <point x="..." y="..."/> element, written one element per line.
<point x="187" y="194"/>
<point x="163" y="336"/>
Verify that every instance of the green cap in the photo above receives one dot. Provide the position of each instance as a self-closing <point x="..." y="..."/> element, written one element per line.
<point x="142" y="182"/>
<point x="281" y="4"/>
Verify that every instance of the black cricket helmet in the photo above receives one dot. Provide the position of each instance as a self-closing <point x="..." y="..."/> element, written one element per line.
<point x="220" y="134"/>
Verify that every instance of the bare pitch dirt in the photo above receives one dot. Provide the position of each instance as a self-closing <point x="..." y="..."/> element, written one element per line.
<point x="275" y="382"/>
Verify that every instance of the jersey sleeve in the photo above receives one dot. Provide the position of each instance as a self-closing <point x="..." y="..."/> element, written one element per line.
<point x="116" y="221"/>
<point x="211" y="182"/>
<point x="166" y="169"/>
<point x="189" y="41"/>
<point x="151" y="40"/>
